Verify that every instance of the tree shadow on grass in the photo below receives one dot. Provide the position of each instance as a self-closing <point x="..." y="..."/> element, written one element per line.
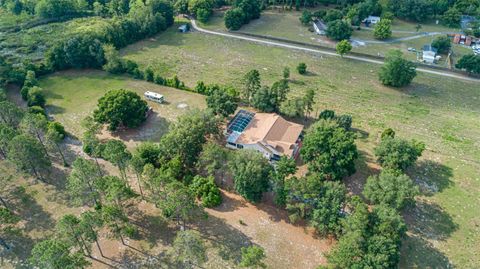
<point x="430" y="221"/>
<point x="21" y="248"/>
<point x="152" y="228"/>
<point x="225" y="238"/>
<point x="365" y="166"/>
<point x="54" y="109"/>
<point x="129" y="259"/>
<point x="229" y="204"/>
<point x="32" y="219"/>
<point x="36" y="219"/>
<point x="432" y="177"/>
<point x="419" y="253"/>
<point x="151" y="130"/>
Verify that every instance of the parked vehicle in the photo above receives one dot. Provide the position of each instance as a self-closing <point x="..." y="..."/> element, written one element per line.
<point x="153" y="96"/>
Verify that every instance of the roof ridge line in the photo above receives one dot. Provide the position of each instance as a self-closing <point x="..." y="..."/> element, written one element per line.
<point x="271" y="127"/>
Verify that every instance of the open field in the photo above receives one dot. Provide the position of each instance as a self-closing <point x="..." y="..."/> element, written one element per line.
<point x="286" y="25"/>
<point x="442" y="112"/>
<point x="73" y="95"/>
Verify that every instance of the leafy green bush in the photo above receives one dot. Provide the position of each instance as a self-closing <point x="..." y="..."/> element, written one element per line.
<point x="302" y="68"/>
<point x="206" y="190"/>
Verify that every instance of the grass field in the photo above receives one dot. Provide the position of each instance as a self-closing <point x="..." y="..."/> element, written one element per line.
<point x="442" y="112"/>
<point x="286" y="25"/>
<point x="73" y="95"/>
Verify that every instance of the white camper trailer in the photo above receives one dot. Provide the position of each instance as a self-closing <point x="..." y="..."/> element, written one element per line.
<point x="153" y="96"/>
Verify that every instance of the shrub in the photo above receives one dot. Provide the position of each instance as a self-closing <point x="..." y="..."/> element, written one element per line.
<point x="37" y="110"/>
<point x="327" y="114"/>
<point x="302" y="68"/>
<point x="339" y="30"/>
<point x="36" y="97"/>
<point x="206" y="190"/>
<point x="388" y="133"/>
<point x="343" y="47"/>
<point x="383" y="29"/>
<point x="398" y="154"/>
<point x="397" y="71"/>
<point x="57" y="127"/>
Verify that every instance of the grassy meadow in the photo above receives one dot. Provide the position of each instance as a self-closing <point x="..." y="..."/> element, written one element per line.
<point x="73" y="95"/>
<point x="442" y="112"/>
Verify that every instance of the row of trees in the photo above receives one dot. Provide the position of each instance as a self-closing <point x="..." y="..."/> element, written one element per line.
<point x="274" y="98"/>
<point x="373" y="238"/>
<point x="242" y="13"/>
<point x="421" y="10"/>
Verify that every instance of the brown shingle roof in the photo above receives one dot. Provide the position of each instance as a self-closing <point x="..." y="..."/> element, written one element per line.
<point x="273" y="130"/>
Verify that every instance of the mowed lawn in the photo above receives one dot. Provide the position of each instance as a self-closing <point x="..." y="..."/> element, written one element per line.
<point x="73" y="95"/>
<point x="444" y="113"/>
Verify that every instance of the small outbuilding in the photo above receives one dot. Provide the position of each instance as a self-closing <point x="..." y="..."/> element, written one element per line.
<point x="320" y="27"/>
<point x="371" y="20"/>
<point x="184" y="28"/>
<point x="429" y="54"/>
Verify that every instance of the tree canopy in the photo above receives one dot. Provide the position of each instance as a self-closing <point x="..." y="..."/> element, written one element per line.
<point x="470" y="62"/>
<point x="121" y="107"/>
<point x="318" y="201"/>
<point x="398" y="154"/>
<point x="189" y="249"/>
<point x="330" y="150"/>
<point x="383" y="29"/>
<point x="391" y="188"/>
<point x="343" y="47"/>
<point x="339" y="30"/>
<point x="251" y="173"/>
<point x="54" y="254"/>
<point x="222" y="103"/>
<point x="442" y="44"/>
<point x="369" y="240"/>
<point x="397" y="72"/>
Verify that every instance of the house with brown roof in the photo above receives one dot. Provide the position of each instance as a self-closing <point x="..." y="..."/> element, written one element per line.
<point x="267" y="133"/>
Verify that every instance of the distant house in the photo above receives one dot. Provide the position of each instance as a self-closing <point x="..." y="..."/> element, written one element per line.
<point x="466" y="21"/>
<point x="184" y="28"/>
<point x="371" y="20"/>
<point x="320" y="27"/>
<point x="267" y="133"/>
<point x="462" y="40"/>
<point x="429" y="54"/>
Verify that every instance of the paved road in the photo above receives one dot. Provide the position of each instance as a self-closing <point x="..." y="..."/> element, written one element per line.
<point x="324" y="52"/>
<point x="394" y="40"/>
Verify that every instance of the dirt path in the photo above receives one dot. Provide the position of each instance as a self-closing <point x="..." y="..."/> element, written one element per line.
<point x="286" y="245"/>
<point x="325" y="52"/>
